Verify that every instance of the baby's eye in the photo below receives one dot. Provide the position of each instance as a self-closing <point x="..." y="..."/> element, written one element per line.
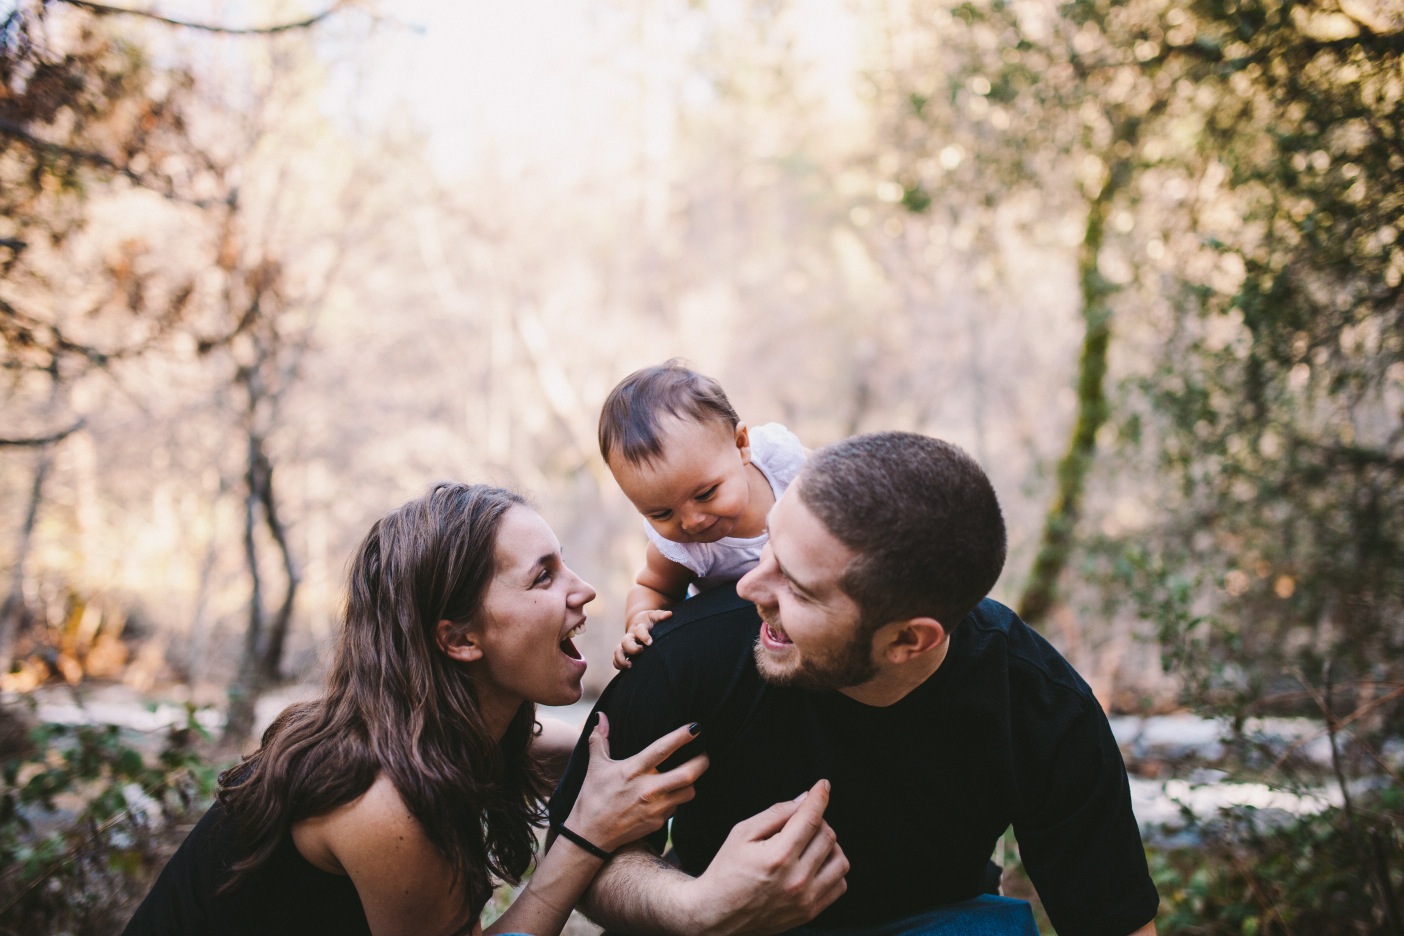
<point x="707" y="494"/>
<point x="661" y="515"/>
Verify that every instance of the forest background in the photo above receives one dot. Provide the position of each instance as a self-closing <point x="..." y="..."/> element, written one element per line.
<point x="269" y="269"/>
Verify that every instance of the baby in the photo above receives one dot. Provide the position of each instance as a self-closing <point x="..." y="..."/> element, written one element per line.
<point x="702" y="479"/>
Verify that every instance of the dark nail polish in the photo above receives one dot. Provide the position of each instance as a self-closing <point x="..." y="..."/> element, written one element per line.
<point x="694" y="728"/>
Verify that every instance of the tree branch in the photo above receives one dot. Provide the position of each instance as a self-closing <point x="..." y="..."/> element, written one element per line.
<point x="103" y="9"/>
<point x="49" y="439"/>
<point x="17" y="132"/>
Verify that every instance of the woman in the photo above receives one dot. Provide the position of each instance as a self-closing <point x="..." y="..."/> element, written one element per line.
<point x="391" y="804"/>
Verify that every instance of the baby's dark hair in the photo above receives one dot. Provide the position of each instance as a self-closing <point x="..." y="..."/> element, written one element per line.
<point x="629" y="420"/>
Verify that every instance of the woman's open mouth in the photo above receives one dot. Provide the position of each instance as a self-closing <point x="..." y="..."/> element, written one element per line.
<point x="568" y="644"/>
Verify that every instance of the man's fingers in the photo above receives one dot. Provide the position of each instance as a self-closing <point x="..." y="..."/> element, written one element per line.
<point x="765" y="823"/>
<point x="835" y="890"/>
<point x="818" y="849"/>
<point x="807" y="820"/>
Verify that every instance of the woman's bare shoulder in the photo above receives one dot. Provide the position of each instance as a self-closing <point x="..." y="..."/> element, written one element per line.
<point x="376" y="819"/>
<point x="401" y="877"/>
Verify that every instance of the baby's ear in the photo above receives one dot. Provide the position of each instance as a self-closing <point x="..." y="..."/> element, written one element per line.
<point x="743" y="442"/>
<point x="457" y="642"/>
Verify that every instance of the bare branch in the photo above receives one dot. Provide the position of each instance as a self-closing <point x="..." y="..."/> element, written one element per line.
<point x="49" y="439"/>
<point x="162" y="187"/>
<point x="103" y="9"/>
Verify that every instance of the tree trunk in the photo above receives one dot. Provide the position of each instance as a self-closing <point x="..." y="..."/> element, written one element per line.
<point x="1041" y="592"/>
<point x="12" y="612"/>
<point x="271" y="659"/>
<point x="248" y="685"/>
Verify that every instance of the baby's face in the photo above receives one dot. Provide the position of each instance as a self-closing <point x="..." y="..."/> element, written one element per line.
<point x="698" y="491"/>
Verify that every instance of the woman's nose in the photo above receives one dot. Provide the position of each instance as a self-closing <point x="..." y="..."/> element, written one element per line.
<point x="583" y="593"/>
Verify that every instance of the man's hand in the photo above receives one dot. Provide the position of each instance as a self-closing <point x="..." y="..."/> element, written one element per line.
<point x="775" y="871"/>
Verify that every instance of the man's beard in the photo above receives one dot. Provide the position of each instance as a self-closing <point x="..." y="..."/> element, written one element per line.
<point x="849" y="665"/>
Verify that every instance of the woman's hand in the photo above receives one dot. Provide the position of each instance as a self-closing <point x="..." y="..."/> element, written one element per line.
<point x="624" y="800"/>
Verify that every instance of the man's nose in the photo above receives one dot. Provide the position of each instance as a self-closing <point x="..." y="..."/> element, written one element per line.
<point x="751" y="586"/>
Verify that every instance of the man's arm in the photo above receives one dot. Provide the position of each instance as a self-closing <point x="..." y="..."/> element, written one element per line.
<point x="776" y="870"/>
<point x="1082" y="847"/>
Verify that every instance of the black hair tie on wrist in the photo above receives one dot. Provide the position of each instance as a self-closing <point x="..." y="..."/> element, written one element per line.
<point x="584" y="843"/>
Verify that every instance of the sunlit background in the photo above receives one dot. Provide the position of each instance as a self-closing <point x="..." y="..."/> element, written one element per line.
<point x="1141" y="259"/>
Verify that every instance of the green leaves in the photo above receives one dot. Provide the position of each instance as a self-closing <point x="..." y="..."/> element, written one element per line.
<point x="80" y="813"/>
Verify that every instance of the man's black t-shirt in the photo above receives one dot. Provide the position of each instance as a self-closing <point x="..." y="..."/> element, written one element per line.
<point x="1005" y="732"/>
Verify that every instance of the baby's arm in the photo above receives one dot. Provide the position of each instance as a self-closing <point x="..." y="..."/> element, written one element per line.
<point x="661" y="583"/>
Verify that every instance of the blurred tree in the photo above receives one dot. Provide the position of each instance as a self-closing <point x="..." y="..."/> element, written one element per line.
<point x="87" y="111"/>
<point x="1239" y="173"/>
<point x="88" y="120"/>
<point x="1278" y="405"/>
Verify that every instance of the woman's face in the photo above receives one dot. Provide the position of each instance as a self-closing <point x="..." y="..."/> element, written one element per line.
<point x="534" y="605"/>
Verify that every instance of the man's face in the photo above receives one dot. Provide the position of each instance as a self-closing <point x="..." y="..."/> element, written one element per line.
<point x="811" y="635"/>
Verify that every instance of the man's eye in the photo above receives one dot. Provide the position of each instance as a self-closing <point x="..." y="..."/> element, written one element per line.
<point x="707" y="494"/>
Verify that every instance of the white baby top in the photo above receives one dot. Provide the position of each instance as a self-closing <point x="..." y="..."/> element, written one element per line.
<point x="779" y="455"/>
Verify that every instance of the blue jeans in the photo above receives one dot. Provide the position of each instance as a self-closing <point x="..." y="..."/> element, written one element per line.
<point x="986" y="915"/>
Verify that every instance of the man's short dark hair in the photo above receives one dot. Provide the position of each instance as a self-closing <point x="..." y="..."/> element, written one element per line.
<point x="630" y="417"/>
<point x="921" y="517"/>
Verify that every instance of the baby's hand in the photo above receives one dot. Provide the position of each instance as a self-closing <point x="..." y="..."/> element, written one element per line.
<point x="637" y="635"/>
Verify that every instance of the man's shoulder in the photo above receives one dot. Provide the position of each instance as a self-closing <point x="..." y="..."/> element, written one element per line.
<point x="712" y="614"/>
<point x="704" y="647"/>
<point x="995" y="628"/>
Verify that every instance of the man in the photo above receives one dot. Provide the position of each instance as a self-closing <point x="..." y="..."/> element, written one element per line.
<point x="917" y="721"/>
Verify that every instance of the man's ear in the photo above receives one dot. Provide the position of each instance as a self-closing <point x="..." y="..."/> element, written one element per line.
<point x="743" y="442"/>
<point x="458" y="642"/>
<point x="907" y="640"/>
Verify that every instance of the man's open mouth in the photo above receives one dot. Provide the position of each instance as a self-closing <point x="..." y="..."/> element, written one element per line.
<point x="568" y="645"/>
<point x="775" y="635"/>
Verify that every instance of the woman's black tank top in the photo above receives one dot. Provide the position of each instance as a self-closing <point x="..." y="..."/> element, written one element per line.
<point x="288" y="895"/>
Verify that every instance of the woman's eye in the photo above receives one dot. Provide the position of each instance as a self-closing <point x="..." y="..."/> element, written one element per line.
<point x="707" y="494"/>
<point x="543" y="577"/>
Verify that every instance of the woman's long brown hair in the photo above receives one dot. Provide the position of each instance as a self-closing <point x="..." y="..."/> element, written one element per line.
<point x="395" y="703"/>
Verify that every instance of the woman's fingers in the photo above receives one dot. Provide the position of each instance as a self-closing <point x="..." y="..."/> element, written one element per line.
<point x="599" y="739"/>
<point x="663" y="748"/>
